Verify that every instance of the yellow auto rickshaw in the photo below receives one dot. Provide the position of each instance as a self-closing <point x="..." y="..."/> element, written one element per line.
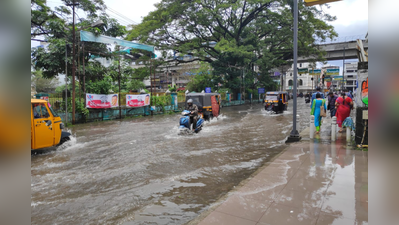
<point x="208" y="104"/>
<point x="46" y="126"/>
<point x="276" y="101"/>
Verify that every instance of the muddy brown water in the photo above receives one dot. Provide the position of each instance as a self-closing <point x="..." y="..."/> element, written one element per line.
<point x="139" y="171"/>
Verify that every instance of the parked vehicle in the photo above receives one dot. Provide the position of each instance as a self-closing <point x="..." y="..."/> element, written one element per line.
<point x="272" y="101"/>
<point x="46" y="126"/>
<point x="307" y="99"/>
<point x="209" y="104"/>
<point x="185" y="127"/>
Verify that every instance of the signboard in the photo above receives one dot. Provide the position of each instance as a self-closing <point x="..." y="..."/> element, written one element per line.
<point x="95" y="101"/>
<point x="318" y="2"/>
<point x="314" y="72"/>
<point x="276" y="74"/>
<point x="302" y="71"/>
<point x="44" y="98"/>
<point x="365" y="114"/>
<point x="207" y="90"/>
<point x="338" y="77"/>
<point x="332" y="72"/>
<point x="137" y="100"/>
<point x="327" y="78"/>
<point x="261" y="90"/>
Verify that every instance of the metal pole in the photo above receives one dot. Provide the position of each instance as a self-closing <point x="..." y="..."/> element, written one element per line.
<point x="152" y="96"/>
<point x="343" y="73"/>
<point x="119" y="81"/>
<point x="84" y="73"/>
<point x="79" y="78"/>
<point x="66" y="84"/>
<point x="73" y="63"/>
<point x="294" y="135"/>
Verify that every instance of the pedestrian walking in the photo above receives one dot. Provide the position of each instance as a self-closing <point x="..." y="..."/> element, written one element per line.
<point x="344" y="105"/>
<point x="318" y="90"/>
<point x="331" y="103"/>
<point x="318" y="105"/>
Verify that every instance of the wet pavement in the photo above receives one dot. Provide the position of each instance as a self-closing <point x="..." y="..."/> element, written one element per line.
<point x="139" y="171"/>
<point x="313" y="182"/>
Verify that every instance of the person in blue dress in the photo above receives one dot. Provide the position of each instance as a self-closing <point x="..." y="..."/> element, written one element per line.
<point x="318" y="91"/>
<point x="319" y="101"/>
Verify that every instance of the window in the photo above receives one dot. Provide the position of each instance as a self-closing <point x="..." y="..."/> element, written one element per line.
<point x="300" y="82"/>
<point x="40" y="111"/>
<point x="290" y="83"/>
<point x="291" y="74"/>
<point x="300" y="64"/>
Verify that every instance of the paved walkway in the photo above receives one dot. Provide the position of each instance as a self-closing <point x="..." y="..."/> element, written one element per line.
<point x="313" y="182"/>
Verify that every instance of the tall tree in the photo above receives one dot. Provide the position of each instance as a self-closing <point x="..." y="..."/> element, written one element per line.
<point x="233" y="35"/>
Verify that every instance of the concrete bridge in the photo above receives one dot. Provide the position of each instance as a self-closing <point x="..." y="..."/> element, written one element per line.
<point x="335" y="51"/>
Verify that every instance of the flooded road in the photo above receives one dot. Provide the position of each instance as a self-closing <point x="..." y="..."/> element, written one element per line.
<point x="139" y="171"/>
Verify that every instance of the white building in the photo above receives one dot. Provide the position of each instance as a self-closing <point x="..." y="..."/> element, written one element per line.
<point x="304" y="81"/>
<point x="350" y="76"/>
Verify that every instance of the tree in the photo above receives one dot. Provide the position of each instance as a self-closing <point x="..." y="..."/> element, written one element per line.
<point x="233" y="35"/>
<point x="202" y="78"/>
<point x="55" y="28"/>
<point x="43" y="84"/>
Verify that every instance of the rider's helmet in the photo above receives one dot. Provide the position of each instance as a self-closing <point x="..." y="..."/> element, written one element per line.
<point x="190" y="102"/>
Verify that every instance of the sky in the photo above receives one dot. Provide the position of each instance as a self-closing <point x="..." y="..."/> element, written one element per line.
<point x="352" y="16"/>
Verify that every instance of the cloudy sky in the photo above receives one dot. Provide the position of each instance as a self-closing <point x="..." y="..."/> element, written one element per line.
<point x="352" y="16"/>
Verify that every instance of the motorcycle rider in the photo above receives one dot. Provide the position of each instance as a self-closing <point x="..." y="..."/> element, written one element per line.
<point x="194" y="113"/>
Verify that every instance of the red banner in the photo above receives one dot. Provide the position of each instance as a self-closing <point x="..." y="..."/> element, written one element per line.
<point x="137" y="100"/>
<point x="95" y="101"/>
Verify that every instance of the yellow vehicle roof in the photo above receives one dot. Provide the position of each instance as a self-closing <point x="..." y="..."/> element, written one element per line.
<point x="38" y="101"/>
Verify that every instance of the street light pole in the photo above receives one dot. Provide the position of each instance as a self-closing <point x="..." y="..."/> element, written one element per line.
<point x="73" y="63"/>
<point x="294" y="135"/>
<point x="66" y="84"/>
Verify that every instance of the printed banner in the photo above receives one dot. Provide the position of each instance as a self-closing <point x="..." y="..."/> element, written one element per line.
<point x="95" y="101"/>
<point x="332" y="72"/>
<point x="338" y="77"/>
<point x="303" y="71"/>
<point x="315" y="72"/>
<point x="137" y="100"/>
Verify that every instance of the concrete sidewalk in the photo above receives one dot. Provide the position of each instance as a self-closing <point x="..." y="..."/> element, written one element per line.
<point x="311" y="182"/>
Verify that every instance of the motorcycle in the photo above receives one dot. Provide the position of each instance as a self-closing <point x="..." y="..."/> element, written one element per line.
<point x="185" y="127"/>
<point x="307" y="99"/>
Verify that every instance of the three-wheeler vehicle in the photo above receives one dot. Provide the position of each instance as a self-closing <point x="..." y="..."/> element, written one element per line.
<point x="276" y="101"/>
<point x="209" y="104"/>
<point x="46" y="126"/>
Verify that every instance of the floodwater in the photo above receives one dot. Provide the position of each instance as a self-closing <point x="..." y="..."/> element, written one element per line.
<point x="139" y="171"/>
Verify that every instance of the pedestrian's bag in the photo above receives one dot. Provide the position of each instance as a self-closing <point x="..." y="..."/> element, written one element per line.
<point x="322" y="111"/>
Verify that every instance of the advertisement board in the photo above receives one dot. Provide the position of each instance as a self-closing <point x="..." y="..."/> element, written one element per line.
<point x="314" y="72"/>
<point x="261" y="90"/>
<point x="332" y="72"/>
<point x="303" y="71"/>
<point x="137" y="100"/>
<point x="95" y="101"/>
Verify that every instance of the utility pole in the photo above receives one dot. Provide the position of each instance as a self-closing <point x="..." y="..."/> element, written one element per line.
<point x="84" y="73"/>
<point x="294" y="135"/>
<point x="73" y="60"/>
<point x="66" y="84"/>
<point x="343" y="73"/>
<point x="119" y="82"/>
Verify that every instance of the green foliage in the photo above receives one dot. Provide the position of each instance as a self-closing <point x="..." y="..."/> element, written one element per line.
<point x="172" y="89"/>
<point x="43" y="84"/>
<point x="79" y="106"/>
<point x="202" y="79"/>
<point x="99" y="87"/>
<point x="246" y="33"/>
<point x="161" y="100"/>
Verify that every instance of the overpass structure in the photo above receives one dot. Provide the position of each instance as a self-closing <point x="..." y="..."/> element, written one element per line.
<point x="336" y="51"/>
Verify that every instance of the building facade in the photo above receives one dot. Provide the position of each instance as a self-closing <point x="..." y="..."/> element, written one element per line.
<point x="350" y="76"/>
<point x="304" y="81"/>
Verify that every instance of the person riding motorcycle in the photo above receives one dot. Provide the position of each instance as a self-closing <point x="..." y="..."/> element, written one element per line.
<point x="194" y="113"/>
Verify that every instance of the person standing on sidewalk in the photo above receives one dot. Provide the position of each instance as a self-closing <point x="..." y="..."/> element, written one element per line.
<point x="316" y="105"/>
<point x="331" y="103"/>
<point x="344" y="105"/>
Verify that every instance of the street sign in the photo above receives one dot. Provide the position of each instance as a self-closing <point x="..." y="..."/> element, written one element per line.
<point x="338" y="77"/>
<point x="314" y="72"/>
<point x="332" y="72"/>
<point x="207" y="90"/>
<point x="261" y="90"/>
<point x="302" y="71"/>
